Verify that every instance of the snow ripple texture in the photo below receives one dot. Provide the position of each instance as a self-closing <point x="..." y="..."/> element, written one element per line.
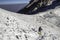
<point x="12" y="28"/>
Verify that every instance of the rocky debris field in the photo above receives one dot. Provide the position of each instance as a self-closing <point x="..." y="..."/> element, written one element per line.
<point x="41" y="26"/>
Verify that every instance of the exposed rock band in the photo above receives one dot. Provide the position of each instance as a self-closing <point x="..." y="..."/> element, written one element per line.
<point x="35" y="4"/>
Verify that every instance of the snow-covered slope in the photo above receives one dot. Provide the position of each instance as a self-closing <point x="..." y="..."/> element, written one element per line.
<point x="15" y="26"/>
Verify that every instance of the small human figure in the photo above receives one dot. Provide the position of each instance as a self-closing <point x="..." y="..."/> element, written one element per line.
<point x="39" y="30"/>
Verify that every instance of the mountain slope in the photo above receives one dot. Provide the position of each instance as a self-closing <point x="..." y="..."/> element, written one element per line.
<point x="15" y="26"/>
